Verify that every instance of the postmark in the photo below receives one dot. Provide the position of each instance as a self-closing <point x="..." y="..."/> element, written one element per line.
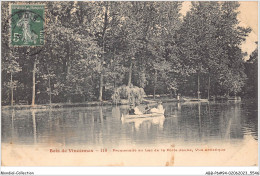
<point x="27" y="24"/>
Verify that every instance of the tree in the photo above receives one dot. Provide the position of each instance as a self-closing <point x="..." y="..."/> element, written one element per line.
<point x="199" y="39"/>
<point x="11" y="66"/>
<point x="210" y="40"/>
<point x="76" y="41"/>
<point x="251" y="70"/>
<point x="232" y="36"/>
<point x="10" y="59"/>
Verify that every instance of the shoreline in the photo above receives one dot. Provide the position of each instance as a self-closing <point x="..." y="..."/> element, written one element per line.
<point x="103" y="103"/>
<point x="85" y="104"/>
<point x="58" y="105"/>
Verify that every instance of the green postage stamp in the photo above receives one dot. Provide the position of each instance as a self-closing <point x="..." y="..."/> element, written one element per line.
<point x="27" y="24"/>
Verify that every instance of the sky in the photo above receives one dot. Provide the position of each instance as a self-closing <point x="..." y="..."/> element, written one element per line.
<point x="248" y="17"/>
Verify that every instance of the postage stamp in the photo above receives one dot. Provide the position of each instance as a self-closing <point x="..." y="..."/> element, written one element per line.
<point x="27" y="25"/>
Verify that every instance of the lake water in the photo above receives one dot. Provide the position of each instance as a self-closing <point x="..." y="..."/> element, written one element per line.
<point x="191" y="123"/>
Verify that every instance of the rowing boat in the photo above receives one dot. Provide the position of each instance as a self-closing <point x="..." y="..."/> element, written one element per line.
<point x="156" y="120"/>
<point x="157" y="114"/>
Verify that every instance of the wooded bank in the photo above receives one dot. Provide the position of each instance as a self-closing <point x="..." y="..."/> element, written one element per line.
<point x="93" y="49"/>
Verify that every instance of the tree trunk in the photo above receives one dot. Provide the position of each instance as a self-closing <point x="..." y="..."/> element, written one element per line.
<point x="100" y="87"/>
<point x="114" y="82"/>
<point x="155" y="82"/>
<point x="68" y="72"/>
<point x="130" y="73"/>
<point x="198" y="86"/>
<point x="103" y="55"/>
<point x="68" y="62"/>
<point x="33" y="88"/>
<point x="208" y="87"/>
<point x="154" y="92"/>
<point x="170" y="93"/>
<point x="114" y="68"/>
<point x="142" y="78"/>
<point x="12" y="90"/>
<point x="50" y="89"/>
<point x="199" y="118"/>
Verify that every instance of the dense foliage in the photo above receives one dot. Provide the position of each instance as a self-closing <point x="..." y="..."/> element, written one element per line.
<point x="92" y="49"/>
<point x="128" y="95"/>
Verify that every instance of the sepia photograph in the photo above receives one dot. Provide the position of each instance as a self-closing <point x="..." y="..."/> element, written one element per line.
<point x="129" y="83"/>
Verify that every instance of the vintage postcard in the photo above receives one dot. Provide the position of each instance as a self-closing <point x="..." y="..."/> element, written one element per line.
<point x="129" y="83"/>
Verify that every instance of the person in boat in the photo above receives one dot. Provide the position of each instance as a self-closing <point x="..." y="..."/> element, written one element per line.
<point x="137" y="111"/>
<point x="147" y="109"/>
<point x="134" y="110"/>
<point x="131" y="110"/>
<point x="160" y="106"/>
<point x="178" y="97"/>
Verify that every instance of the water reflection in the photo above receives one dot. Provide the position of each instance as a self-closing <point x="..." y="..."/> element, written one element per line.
<point x="12" y="127"/>
<point x="103" y="126"/>
<point x="34" y="126"/>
